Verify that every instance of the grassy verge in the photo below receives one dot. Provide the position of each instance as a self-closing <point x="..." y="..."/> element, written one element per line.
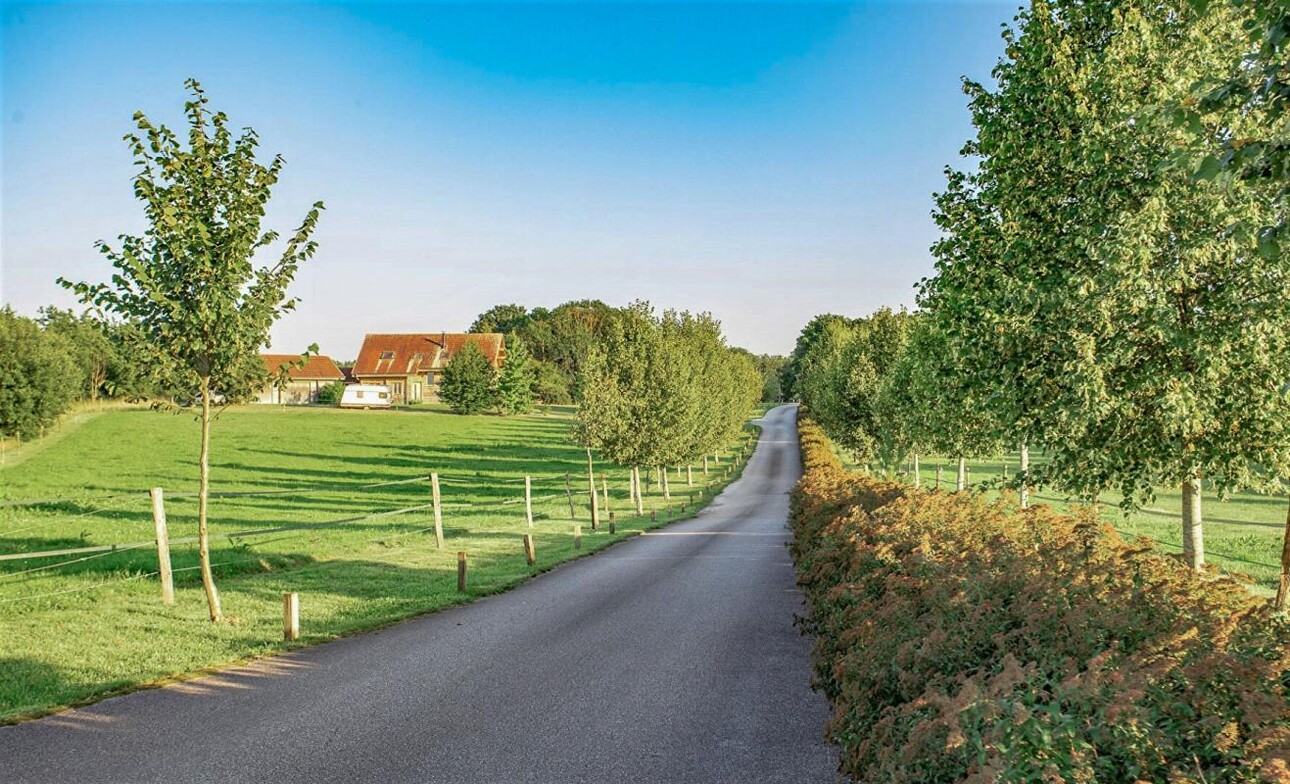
<point x="93" y="627"/>
<point x="1243" y="533"/>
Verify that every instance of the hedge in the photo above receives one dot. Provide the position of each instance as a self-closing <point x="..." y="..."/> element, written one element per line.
<point x="966" y="640"/>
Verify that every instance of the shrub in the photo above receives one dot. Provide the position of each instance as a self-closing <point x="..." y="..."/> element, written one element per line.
<point x="967" y="640"/>
<point x="331" y="394"/>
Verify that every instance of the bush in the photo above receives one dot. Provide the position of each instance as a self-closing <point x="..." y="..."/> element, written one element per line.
<point x="38" y="376"/>
<point x="331" y="394"/>
<point x="965" y="640"/>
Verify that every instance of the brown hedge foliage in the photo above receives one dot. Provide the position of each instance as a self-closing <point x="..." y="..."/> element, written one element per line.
<point x="967" y="640"/>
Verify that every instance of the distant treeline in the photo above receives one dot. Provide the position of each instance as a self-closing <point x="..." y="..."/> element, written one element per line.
<point x="560" y="339"/>
<point x="49" y="362"/>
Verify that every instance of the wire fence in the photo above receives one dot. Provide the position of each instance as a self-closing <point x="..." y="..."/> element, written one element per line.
<point x="487" y="495"/>
<point x="996" y="483"/>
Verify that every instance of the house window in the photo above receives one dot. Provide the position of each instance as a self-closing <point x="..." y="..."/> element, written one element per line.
<point x="387" y="355"/>
<point x="430" y="379"/>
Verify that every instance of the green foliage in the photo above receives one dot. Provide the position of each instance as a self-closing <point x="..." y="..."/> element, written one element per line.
<point x="560" y="338"/>
<point x="841" y="374"/>
<point x="516" y="379"/>
<point x="469" y="381"/>
<point x="964" y="640"/>
<point x="92" y="349"/>
<point x="550" y="385"/>
<point x="664" y="389"/>
<point x="39" y="376"/>
<point x="331" y="394"/>
<point x="506" y="319"/>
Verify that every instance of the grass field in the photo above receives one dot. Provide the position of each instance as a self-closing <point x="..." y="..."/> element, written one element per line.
<point x="79" y="627"/>
<point x="1243" y="533"/>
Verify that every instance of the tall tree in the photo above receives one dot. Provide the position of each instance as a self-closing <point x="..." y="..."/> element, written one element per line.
<point x="516" y="379"/>
<point x="200" y="308"/>
<point x="469" y="383"/>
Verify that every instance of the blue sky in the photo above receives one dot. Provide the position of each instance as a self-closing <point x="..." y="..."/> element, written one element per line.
<point x="765" y="162"/>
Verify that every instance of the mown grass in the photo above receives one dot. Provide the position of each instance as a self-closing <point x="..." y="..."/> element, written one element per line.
<point x="1243" y="533"/>
<point x="93" y="627"/>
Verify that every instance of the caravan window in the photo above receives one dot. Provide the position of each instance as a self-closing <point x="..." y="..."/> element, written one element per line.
<point x="382" y="395"/>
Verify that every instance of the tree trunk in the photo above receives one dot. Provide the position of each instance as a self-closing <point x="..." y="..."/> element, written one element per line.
<point x="203" y="492"/>
<point x="918" y="479"/>
<point x="1025" y="467"/>
<point x="705" y="465"/>
<point x="667" y="488"/>
<point x="1193" y="540"/>
<point x="636" y="480"/>
<point x="961" y="484"/>
<point x="1284" y="587"/>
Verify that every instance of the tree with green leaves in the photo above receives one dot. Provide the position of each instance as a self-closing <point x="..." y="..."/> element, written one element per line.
<point x="506" y="319"/>
<point x="1100" y="303"/>
<point x="199" y="307"/>
<point x="469" y="383"/>
<point x="516" y="378"/>
<point x="39" y="377"/>
<point x="91" y="347"/>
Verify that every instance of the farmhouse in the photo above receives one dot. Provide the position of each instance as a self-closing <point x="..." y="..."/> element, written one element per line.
<point x="411" y="364"/>
<point x="302" y="383"/>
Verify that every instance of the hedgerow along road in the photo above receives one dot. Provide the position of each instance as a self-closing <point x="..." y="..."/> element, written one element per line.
<point x="668" y="658"/>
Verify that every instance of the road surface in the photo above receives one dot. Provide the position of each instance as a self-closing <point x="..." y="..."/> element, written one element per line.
<point x="671" y="657"/>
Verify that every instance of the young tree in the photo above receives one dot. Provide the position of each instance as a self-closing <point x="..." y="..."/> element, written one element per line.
<point x="516" y="379"/>
<point x="38" y="376"/>
<point x="469" y="382"/>
<point x="189" y="287"/>
<point x="1114" y="310"/>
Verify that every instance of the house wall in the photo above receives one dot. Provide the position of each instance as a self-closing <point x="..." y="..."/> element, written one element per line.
<point x="404" y="389"/>
<point x="295" y="393"/>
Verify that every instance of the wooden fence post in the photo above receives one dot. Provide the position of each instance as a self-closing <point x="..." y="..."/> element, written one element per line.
<point x="528" y="499"/>
<point x="613" y="524"/>
<point x="438" y="510"/>
<point x="163" y="546"/>
<point x="653" y="515"/>
<point x="461" y="571"/>
<point x="577" y="536"/>
<point x="290" y="616"/>
<point x="529" y="552"/>
<point x="591" y="493"/>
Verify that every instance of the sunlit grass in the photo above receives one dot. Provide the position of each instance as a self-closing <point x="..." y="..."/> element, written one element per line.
<point x="92" y="627"/>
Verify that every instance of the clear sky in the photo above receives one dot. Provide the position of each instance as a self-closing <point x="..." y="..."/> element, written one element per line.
<point x="765" y="162"/>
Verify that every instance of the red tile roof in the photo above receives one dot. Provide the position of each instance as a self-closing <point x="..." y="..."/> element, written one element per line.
<point x="406" y="355"/>
<point x="316" y="368"/>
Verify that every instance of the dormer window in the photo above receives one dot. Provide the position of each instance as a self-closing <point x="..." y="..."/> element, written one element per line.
<point x="387" y="355"/>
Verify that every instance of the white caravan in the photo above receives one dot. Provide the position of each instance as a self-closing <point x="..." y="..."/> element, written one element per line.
<point x="365" y="396"/>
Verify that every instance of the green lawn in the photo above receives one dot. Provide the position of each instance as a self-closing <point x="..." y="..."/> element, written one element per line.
<point x="95" y="626"/>
<point x="1243" y="533"/>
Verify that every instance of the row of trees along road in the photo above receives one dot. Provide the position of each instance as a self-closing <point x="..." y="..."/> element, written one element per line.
<point x="559" y="339"/>
<point x="1110" y="286"/>
<point x="663" y="390"/>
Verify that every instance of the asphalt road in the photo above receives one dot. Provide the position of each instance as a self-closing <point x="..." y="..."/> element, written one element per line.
<point x="668" y="658"/>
